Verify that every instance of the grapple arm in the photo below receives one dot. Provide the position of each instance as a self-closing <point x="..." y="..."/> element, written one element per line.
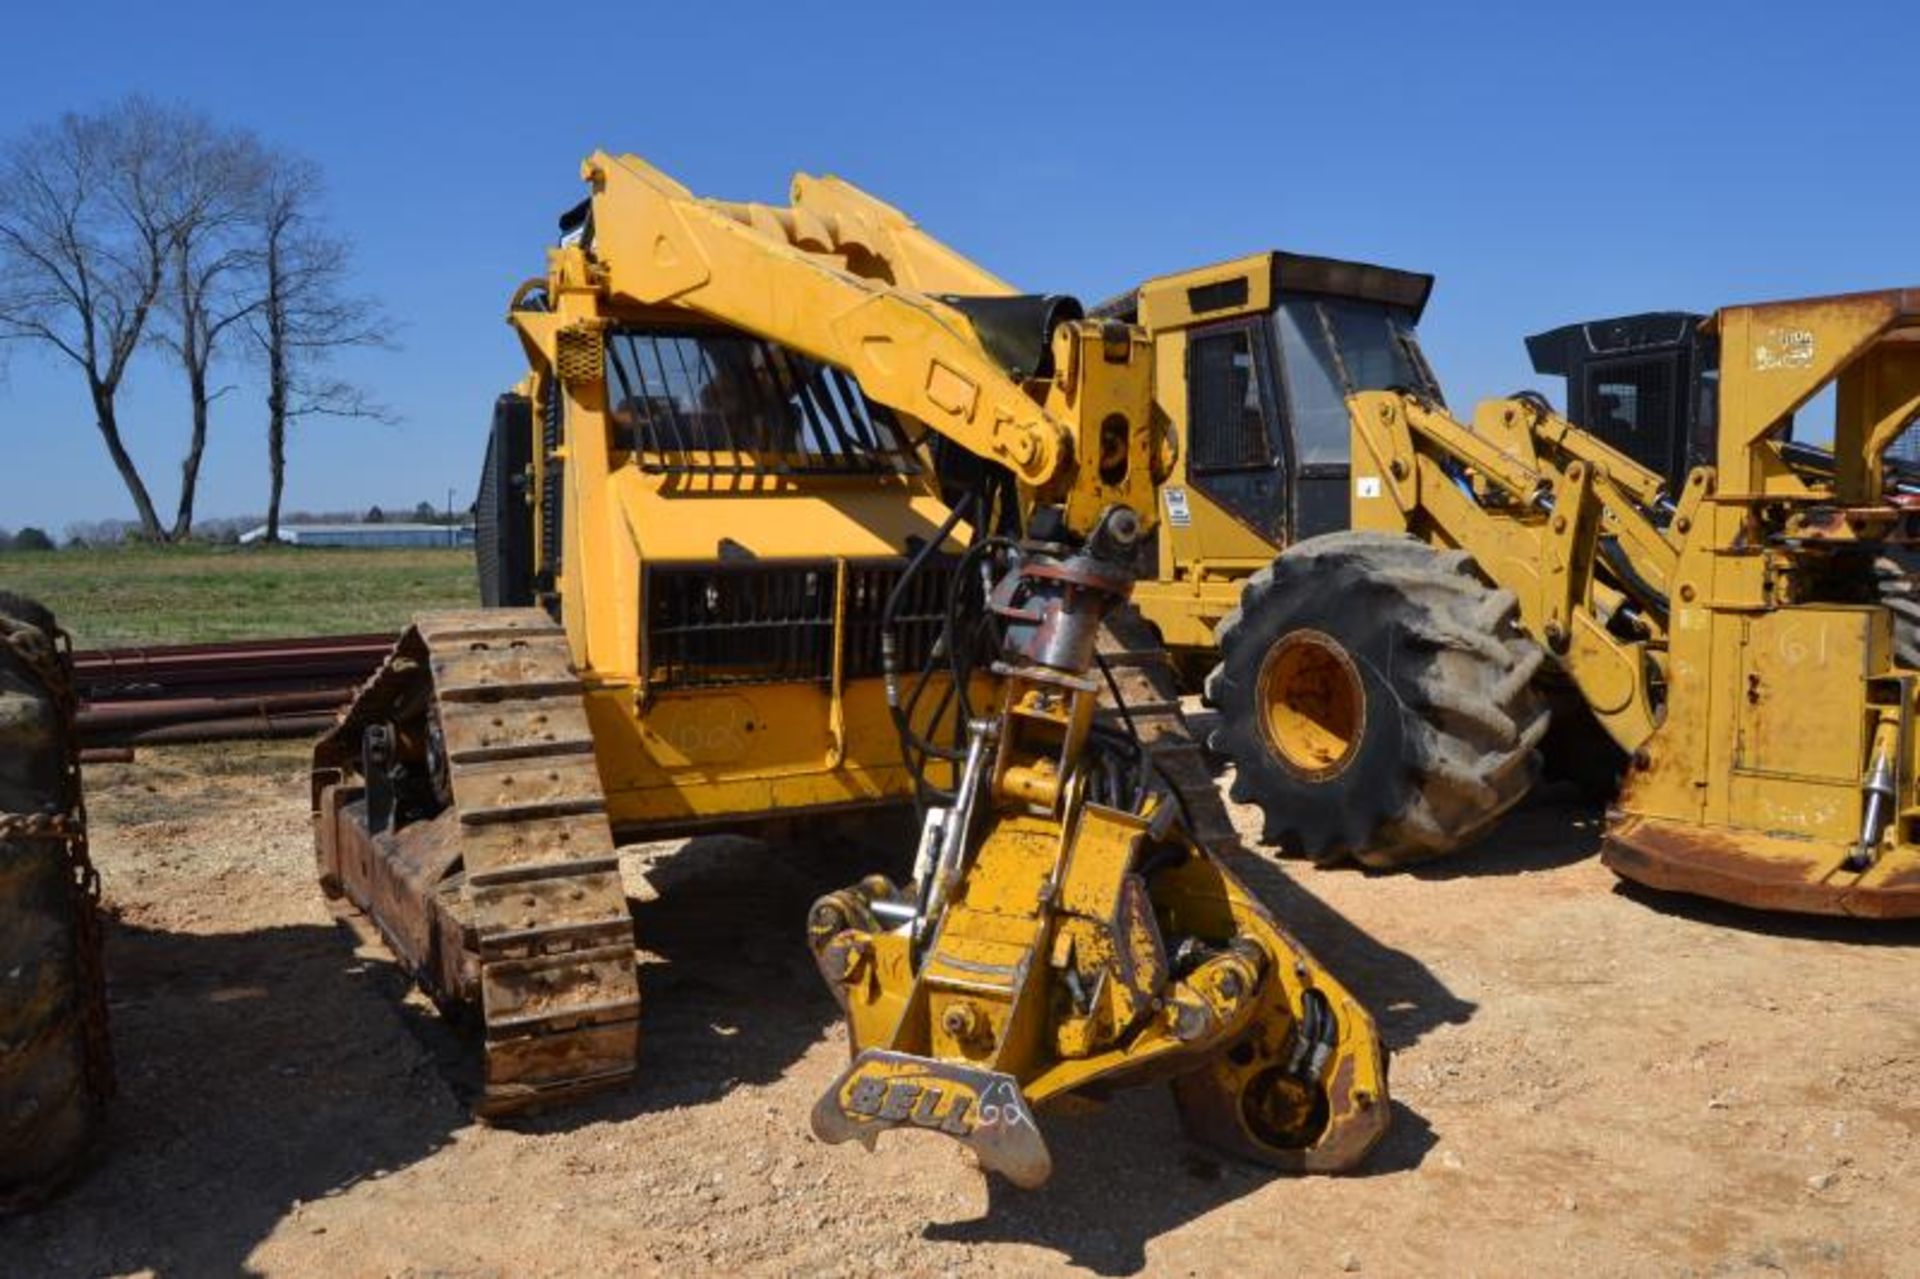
<point x="1571" y="526"/>
<point x="842" y="278"/>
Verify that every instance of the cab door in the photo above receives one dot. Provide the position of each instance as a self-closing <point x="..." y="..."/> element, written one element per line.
<point x="1331" y="347"/>
<point x="1235" y="453"/>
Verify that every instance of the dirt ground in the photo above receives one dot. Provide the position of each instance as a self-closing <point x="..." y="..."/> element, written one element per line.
<point x="1585" y="1080"/>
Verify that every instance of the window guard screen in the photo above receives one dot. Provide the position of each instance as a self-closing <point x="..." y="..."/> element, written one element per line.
<point x="1229" y="429"/>
<point x="721" y="402"/>
<point x="1630" y="404"/>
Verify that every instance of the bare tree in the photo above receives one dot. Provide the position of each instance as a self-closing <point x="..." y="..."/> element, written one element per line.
<point x="87" y="219"/>
<point x="220" y="182"/>
<point x="304" y="316"/>
<point x="142" y="210"/>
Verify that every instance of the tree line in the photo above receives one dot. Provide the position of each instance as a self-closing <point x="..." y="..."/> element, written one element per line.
<point x="227" y="530"/>
<point x="148" y="227"/>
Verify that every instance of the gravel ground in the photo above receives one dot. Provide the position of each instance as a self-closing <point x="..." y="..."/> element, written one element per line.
<point x="1586" y="1079"/>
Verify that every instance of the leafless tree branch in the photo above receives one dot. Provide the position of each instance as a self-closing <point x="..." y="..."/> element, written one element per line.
<point x="94" y="208"/>
<point x="148" y="225"/>
<point x="306" y="315"/>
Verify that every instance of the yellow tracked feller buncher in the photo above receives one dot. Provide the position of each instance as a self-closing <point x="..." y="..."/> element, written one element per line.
<point x="727" y="585"/>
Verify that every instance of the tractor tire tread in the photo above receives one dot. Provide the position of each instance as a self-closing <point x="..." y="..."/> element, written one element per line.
<point x="49" y="1108"/>
<point x="1457" y="699"/>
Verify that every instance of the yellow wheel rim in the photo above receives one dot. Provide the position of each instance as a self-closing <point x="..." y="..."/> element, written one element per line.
<point x="1313" y="705"/>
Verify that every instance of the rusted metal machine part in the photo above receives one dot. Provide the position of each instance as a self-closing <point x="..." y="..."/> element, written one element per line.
<point x="458" y="805"/>
<point x="1763" y="872"/>
<point x="1066" y="929"/>
<point x="208" y="720"/>
<point x="254" y="727"/>
<point x="56" y="1064"/>
<point x="104" y="719"/>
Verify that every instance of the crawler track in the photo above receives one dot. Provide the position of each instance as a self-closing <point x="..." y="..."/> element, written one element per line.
<point x="1130" y="651"/>
<point x="517" y="871"/>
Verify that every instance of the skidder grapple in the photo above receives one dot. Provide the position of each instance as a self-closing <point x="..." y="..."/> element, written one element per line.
<point x="728" y="584"/>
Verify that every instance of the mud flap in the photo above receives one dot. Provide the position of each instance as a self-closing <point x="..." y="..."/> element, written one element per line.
<point x="982" y="1109"/>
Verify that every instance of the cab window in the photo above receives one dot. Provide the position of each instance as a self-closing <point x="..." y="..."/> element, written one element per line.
<point x="1331" y="348"/>
<point x="1229" y="419"/>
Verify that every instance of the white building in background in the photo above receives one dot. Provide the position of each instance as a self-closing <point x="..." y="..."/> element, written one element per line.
<point x="394" y="534"/>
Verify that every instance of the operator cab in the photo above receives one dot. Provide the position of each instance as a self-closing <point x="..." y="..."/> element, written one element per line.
<point x="1647" y="385"/>
<point x="1273" y="346"/>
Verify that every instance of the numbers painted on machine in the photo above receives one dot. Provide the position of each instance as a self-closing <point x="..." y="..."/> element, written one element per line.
<point x="707" y="730"/>
<point x="1783" y="349"/>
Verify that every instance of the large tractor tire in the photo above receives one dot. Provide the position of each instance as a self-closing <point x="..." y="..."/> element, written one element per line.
<point x="1376" y="698"/>
<point x="55" y="1074"/>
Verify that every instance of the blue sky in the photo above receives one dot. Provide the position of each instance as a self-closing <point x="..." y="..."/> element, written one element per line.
<point x="1547" y="162"/>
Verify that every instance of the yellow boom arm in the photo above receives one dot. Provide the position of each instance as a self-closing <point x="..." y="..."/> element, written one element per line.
<point x="1533" y="499"/>
<point x="745" y="265"/>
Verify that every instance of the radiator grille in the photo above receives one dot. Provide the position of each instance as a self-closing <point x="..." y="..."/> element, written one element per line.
<point x="721" y="624"/>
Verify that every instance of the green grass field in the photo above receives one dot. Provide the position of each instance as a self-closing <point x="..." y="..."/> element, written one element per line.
<point x="180" y="595"/>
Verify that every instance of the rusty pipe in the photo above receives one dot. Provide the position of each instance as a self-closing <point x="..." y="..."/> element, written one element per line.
<point x="236" y="728"/>
<point x="107" y="716"/>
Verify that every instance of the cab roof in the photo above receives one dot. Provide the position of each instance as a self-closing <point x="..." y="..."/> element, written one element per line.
<point x="1249" y="284"/>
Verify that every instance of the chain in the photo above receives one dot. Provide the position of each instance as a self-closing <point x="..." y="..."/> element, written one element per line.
<point x="57" y="827"/>
<point x="51" y="661"/>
